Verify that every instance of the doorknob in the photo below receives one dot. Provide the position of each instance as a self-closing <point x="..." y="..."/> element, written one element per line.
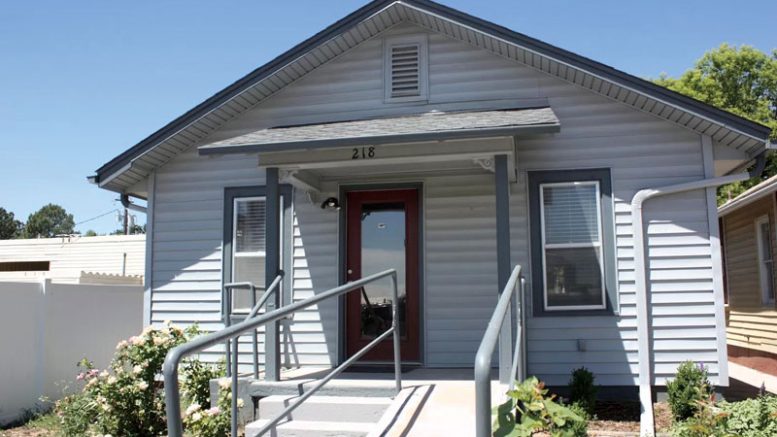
<point x="350" y="272"/>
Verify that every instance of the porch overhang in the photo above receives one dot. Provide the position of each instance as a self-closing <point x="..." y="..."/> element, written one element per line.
<point x="432" y="126"/>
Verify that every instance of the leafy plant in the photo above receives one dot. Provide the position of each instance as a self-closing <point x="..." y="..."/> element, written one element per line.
<point x="531" y="410"/>
<point x="582" y="390"/>
<point x="708" y="421"/>
<point x="76" y="414"/>
<point x="198" y="374"/>
<point x="751" y="417"/>
<point x="127" y="399"/>
<point x="690" y="386"/>
<point x="742" y="80"/>
<point x="214" y="421"/>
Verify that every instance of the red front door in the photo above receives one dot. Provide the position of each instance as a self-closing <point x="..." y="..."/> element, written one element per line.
<point x="382" y="233"/>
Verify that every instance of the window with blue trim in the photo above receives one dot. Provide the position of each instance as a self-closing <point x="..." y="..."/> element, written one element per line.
<point x="573" y="259"/>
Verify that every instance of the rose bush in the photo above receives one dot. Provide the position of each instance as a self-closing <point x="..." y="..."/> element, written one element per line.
<point x="127" y="399"/>
<point x="214" y="421"/>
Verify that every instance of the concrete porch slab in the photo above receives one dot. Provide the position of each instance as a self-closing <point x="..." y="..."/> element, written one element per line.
<point x="434" y="401"/>
<point x="752" y="377"/>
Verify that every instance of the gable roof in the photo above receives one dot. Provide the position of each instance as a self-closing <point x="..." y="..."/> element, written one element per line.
<point x="432" y="126"/>
<point x="749" y="196"/>
<point x="194" y="126"/>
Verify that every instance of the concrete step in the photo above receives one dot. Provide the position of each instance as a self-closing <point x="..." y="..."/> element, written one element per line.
<point x="335" y="387"/>
<point x="303" y="428"/>
<point x="326" y="408"/>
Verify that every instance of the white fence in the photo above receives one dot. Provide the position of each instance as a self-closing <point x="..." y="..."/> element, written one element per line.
<point x="45" y="329"/>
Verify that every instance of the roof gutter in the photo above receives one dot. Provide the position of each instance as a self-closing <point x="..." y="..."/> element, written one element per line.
<point x="647" y="424"/>
<point x="125" y="202"/>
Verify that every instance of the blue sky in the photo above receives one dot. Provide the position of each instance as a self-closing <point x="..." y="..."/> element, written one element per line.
<point x="81" y="81"/>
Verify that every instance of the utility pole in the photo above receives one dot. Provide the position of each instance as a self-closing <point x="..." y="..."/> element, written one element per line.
<point x="126" y="221"/>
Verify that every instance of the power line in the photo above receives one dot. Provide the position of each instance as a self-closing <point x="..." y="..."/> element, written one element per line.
<point x="96" y="217"/>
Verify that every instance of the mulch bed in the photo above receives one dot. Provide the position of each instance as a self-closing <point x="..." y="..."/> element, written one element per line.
<point x="25" y="432"/>
<point x="623" y="416"/>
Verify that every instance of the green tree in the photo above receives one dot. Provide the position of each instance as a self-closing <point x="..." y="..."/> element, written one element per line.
<point x="90" y="233"/>
<point x="49" y="221"/>
<point x="741" y="80"/>
<point x="9" y="226"/>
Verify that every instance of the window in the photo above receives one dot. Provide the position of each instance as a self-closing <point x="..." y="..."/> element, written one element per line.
<point x="572" y="241"/>
<point x="765" y="259"/>
<point x="248" y="241"/>
<point x="406" y="70"/>
<point x="245" y="243"/>
<point x="24" y="266"/>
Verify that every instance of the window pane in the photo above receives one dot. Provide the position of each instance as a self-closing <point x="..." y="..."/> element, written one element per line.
<point x="247" y="269"/>
<point x="573" y="277"/>
<point x="249" y="225"/>
<point x="383" y="247"/>
<point x="767" y="265"/>
<point x="249" y="242"/>
<point x="570" y="213"/>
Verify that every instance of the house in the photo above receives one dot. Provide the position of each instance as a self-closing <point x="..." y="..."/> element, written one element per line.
<point x="747" y="226"/>
<point x="413" y="136"/>
<point x="109" y="259"/>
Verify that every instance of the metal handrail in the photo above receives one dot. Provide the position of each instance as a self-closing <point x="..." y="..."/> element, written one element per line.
<point x="256" y="306"/>
<point x="175" y="355"/>
<point x="486" y="351"/>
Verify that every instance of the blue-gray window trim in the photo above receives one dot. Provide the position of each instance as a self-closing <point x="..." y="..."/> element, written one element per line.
<point x="602" y="175"/>
<point x="232" y="193"/>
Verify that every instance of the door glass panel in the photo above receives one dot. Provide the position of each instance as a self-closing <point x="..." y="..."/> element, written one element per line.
<point x="383" y="247"/>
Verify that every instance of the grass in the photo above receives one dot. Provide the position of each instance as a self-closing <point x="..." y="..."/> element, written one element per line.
<point x="34" y="424"/>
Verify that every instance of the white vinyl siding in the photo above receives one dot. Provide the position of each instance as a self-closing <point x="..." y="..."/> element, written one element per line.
<point x="460" y="288"/>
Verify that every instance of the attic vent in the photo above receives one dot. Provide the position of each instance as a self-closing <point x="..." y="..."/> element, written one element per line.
<point x="406" y="70"/>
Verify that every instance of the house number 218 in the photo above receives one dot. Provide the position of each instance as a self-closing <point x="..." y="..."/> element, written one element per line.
<point x="363" y="152"/>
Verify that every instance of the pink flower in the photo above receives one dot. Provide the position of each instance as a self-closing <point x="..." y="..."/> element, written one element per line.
<point x="213" y="411"/>
<point x="80" y="376"/>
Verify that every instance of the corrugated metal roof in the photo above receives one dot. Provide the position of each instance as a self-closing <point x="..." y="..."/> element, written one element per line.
<point x="434" y="125"/>
<point x="194" y="126"/>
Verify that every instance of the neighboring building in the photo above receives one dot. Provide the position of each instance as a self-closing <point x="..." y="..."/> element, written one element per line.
<point x="748" y="228"/>
<point x="455" y="149"/>
<point x="114" y="259"/>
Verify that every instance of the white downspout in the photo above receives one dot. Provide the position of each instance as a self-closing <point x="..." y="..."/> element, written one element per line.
<point x="647" y="425"/>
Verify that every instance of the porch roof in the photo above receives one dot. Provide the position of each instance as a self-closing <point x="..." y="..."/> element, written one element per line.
<point x="429" y="126"/>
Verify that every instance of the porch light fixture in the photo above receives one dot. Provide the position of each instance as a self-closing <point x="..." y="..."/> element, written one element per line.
<point x="331" y="203"/>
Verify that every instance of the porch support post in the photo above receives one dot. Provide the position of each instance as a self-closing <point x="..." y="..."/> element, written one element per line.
<point x="502" y="185"/>
<point x="272" y="356"/>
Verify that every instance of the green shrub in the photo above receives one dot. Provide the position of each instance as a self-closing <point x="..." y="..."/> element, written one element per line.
<point x="76" y="414"/>
<point x="751" y="417"/>
<point x="214" y="421"/>
<point x="197" y="376"/>
<point x="707" y="421"/>
<point x="127" y="399"/>
<point x="582" y="390"/>
<point x="580" y="428"/>
<point x="530" y="410"/>
<point x="689" y="387"/>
